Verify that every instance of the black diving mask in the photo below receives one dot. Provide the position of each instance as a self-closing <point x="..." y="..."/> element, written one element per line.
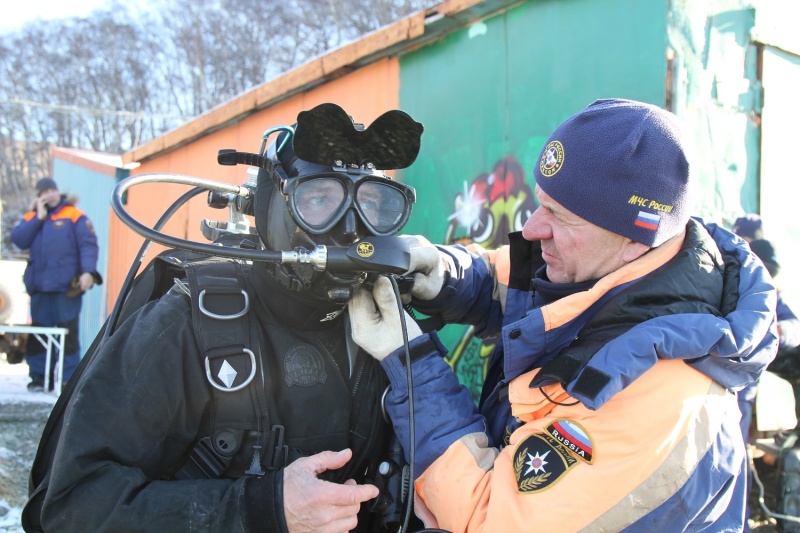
<point x="317" y="202"/>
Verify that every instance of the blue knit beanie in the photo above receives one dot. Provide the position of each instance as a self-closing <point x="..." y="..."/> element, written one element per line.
<point x="45" y="184"/>
<point x="620" y="165"/>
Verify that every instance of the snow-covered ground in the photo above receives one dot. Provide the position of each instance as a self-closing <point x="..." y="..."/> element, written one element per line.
<point x="14" y="385"/>
<point x="19" y="410"/>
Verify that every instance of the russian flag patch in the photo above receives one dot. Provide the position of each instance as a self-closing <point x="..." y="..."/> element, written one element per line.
<point x="647" y="220"/>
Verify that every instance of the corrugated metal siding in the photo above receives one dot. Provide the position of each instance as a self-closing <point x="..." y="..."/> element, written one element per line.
<point x="93" y="189"/>
<point x="780" y="174"/>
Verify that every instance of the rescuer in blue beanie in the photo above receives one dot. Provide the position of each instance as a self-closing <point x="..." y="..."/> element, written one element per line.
<point x="619" y="327"/>
<point x="620" y="164"/>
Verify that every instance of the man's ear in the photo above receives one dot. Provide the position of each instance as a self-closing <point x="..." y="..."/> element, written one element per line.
<point x="634" y="250"/>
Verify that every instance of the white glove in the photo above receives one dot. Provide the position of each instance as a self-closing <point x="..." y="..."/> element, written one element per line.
<point x="428" y="265"/>
<point x="375" y="320"/>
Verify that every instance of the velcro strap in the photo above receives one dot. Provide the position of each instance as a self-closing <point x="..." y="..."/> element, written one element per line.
<point x="591" y="382"/>
<point x="569" y="365"/>
<point x="418" y="349"/>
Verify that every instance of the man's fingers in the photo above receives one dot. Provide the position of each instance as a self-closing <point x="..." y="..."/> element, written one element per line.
<point x="383" y="293"/>
<point x="425" y="259"/>
<point x="358" y="493"/>
<point x="320" y="462"/>
<point x="363" y="301"/>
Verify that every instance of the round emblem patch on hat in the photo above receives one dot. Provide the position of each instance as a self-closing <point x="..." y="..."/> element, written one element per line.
<point x="552" y="159"/>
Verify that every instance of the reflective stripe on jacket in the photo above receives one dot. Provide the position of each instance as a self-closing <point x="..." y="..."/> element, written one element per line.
<point x="663" y="438"/>
<point x="62" y="246"/>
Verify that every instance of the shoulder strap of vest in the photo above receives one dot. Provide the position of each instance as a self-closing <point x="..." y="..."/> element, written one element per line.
<point x="227" y="335"/>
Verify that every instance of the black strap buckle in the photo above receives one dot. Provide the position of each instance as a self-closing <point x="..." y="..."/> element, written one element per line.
<point x="277" y="451"/>
<point x="203" y="463"/>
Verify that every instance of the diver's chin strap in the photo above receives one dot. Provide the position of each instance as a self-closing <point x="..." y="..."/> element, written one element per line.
<point x="284" y="277"/>
<point x="293" y="282"/>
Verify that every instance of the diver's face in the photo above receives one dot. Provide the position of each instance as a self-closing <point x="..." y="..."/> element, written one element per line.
<point x="321" y="204"/>
<point x="334" y="213"/>
<point x="317" y="201"/>
<point x="349" y="230"/>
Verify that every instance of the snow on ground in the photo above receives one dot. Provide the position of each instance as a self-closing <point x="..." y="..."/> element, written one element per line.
<point x="14" y="385"/>
<point x="22" y="415"/>
<point x="10" y="522"/>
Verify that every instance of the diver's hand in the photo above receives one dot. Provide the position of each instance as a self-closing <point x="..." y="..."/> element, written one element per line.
<point x="428" y="265"/>
<point x="312" y="505"/>
<point x="375" y="320"/>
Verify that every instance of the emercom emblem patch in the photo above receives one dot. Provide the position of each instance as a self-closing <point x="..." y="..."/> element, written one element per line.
<point x="541" y="459"/>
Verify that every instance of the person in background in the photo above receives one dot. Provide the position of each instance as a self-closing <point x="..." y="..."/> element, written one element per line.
<point x="752" y="231"/>
<point x="749" y="227"/>
<point x="62" y="265"/>
<point x="788" y="323"/>
<point x="622" y="329"/>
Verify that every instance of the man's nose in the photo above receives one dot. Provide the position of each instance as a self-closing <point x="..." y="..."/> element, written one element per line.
<point x="535" y="227"/>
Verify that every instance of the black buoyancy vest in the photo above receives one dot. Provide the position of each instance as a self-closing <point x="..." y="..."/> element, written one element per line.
<point x="280" y="393"/>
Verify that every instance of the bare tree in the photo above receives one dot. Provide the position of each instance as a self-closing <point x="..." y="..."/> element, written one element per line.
<point x="118" y="78"/>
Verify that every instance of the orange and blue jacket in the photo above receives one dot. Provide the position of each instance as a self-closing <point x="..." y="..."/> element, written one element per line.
<point x="608" y="409"/>
<point x="62" y="246"/>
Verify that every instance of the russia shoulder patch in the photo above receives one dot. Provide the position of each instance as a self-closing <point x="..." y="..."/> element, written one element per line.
<point x="540" y="461"/>
<point x="572" y="436"/>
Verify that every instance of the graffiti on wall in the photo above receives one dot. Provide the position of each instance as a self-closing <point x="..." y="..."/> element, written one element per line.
<point x="485" y="211"/>
<point x="491" y="206"/>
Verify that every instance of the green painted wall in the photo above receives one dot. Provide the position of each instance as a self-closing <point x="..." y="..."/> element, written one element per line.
<point x="491" y="94"/>
<point x="501" y="86"/>
<point x="717" y="96"/>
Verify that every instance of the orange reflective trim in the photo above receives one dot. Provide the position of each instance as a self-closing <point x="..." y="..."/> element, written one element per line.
<point x="30" y="215"/>
<point x="639" y="460"/>
<point x="562" y="311"/>
<point x="71" y="212"/>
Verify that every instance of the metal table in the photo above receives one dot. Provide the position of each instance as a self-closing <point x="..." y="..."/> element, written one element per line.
<point x="49" y="338"/>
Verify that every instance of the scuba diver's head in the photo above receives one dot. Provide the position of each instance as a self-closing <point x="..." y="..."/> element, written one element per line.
<point x="313" y="204"/>
<point x="335" y="203"/>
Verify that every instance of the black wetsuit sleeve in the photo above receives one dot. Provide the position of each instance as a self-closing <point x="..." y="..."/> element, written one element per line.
<point x="133" y="417"/>
<point x="263" y="505"/>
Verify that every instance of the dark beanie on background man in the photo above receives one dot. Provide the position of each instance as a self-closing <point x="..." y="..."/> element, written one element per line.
<point x="45" y="184"/>
<point x="620" y="164"/>
<point x="766" y="252"/>
<point x="749" y="226"/>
